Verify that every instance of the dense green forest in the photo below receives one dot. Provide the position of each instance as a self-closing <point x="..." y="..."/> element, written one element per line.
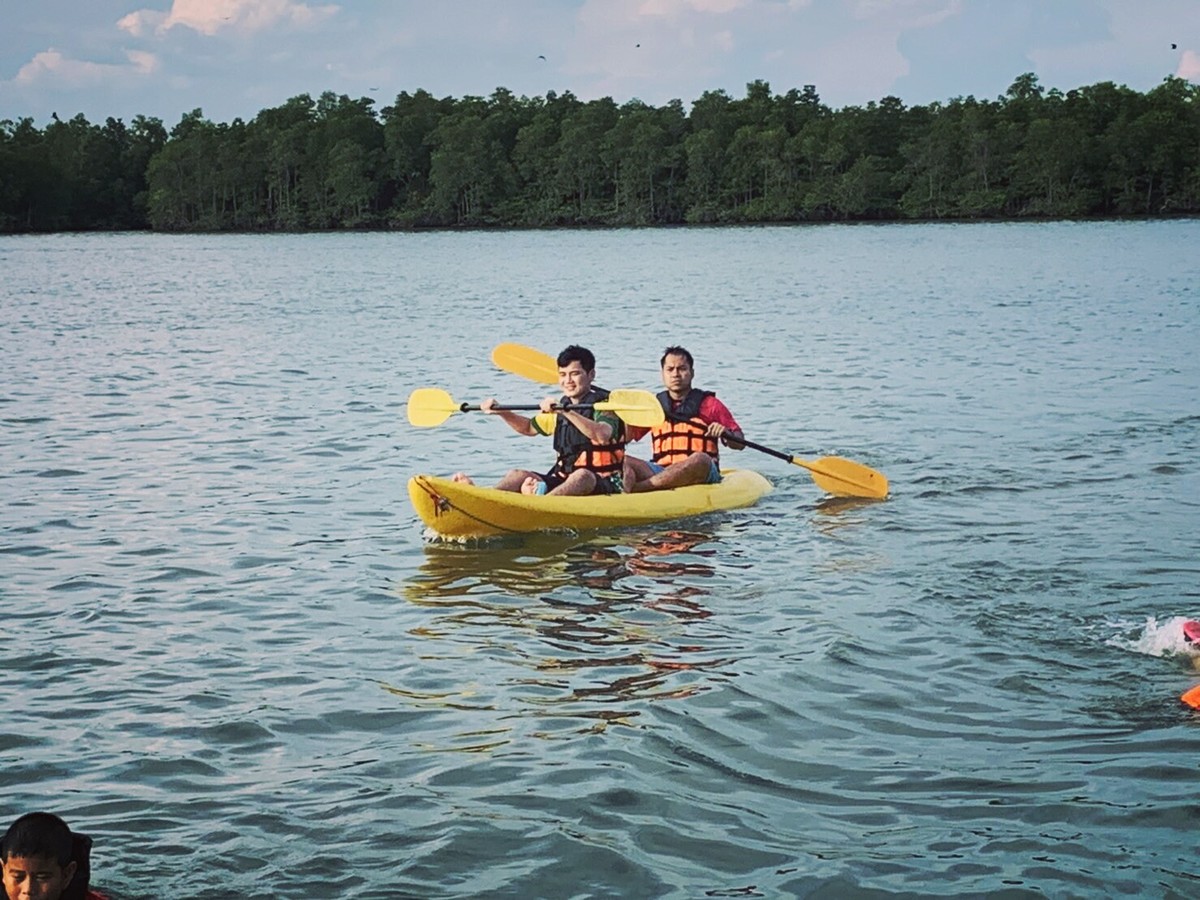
<point x="336" y="162"/>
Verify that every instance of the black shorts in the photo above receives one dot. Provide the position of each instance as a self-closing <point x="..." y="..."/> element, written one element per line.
<point x="604" y="485"/>
<point x="553" y="479"/>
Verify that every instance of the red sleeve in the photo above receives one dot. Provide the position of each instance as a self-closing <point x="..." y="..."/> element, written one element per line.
<point x="635" y="433"/>
<point x="713" y="410"/>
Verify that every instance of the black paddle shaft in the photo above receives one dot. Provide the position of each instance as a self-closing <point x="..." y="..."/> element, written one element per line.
<point x="527" y="407"/>
<point x="786" y="457"/>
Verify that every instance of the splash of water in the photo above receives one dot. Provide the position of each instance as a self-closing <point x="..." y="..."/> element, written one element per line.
<point x="1156" y="638"/>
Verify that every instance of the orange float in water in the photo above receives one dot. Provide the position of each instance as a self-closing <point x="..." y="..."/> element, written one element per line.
<point x="1192" y="697"/>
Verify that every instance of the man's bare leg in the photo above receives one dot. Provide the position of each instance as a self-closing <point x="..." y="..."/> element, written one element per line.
<point x="578" y="483"/>
<point x="514" y="478"/>
<point x="693" y="470"/>
<point x="635" y="470"/>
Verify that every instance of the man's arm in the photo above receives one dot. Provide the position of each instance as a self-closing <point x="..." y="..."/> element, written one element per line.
<point x="721" y="423"/>
<point x="517" y="422"/>
<point x="599" y="430"/>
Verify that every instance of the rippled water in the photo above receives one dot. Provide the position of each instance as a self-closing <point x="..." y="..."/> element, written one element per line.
<point x="230" y="655"/>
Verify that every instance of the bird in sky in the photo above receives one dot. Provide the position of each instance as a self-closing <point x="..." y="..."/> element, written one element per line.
<point x="1174" y="46"/>
<point x="540" y="56"/>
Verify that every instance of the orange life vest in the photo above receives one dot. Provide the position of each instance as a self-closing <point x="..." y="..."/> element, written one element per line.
<point x="576" y="451"/>
<point x="683" y="432"/>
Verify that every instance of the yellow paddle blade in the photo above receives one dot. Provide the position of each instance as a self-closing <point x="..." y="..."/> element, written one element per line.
<point x="526" y="362"/>
<point x="429" y="407"/>
<point x="845" y="477"/>
<point x="640" y="408"/>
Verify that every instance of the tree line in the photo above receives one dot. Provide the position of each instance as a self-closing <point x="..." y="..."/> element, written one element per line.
<point x="507" y="161"/>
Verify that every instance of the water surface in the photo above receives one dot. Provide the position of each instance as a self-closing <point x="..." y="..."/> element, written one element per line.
<point x="232" y="656"/>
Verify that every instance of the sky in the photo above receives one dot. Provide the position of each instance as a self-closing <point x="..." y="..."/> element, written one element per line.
<point x="234" y="58"/>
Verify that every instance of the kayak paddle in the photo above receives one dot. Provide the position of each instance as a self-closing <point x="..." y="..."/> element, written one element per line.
<point x="833" y="474"/>
<point x="430" y="407"/>
<point x="526" y="362"/>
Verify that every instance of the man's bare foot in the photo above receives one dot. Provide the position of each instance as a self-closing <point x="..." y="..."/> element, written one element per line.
<point x="461" y="478"/>
<point x="530" y="485"/>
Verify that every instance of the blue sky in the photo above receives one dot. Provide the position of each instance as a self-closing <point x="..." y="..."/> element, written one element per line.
<point x="232" y="58"/>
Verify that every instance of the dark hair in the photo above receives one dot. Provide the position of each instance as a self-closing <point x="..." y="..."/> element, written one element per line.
<point x="578" y="354"/>
<point x="677" y="351"/>
<point x="38" y="834"/>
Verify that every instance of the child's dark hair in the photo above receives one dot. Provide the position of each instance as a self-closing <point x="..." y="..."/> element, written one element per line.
<point x="578" y="354"/>
<point x="38" y="834"/>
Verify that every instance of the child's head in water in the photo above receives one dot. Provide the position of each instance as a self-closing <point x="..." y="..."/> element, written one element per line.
<point x="1191" y="634"/>
<point x="35" y="855"/>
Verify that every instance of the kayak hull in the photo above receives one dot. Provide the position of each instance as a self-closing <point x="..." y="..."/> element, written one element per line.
<point x="455" y="510"/>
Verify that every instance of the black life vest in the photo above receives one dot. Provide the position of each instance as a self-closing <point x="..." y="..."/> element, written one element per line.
<point x="81" y="855"/>
<point x="576" y="451"/>
<point x="683" y="432"/>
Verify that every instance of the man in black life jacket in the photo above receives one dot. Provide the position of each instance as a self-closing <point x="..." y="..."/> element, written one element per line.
<point x="686" y="446"/>
<point x="590" y="444"/>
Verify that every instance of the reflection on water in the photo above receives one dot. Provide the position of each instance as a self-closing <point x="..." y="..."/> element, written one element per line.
<point x="834" y="507"/>
<point x="582" y="627"/>
<point x="538" y="564"/>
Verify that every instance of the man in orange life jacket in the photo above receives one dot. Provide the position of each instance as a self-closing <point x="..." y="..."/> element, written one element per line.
<point x="686" y="446"/>
<point x="590" y="444"/>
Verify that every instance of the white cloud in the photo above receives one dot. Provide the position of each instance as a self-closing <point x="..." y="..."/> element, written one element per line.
<point x="210" y="16"/>
<point x="621" y="44"/>
<point x="1189" y="66"/>
<point x="862" y="65"/>
<point x="676" y="7"/>
<point x="907" y="13"/>
<point x="51" y="66"/>
<point x="141" y="22"/>
<point x="144" y="63"/>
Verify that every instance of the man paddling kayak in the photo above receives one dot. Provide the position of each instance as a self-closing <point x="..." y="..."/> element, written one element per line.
<point x="590" y="444"/>
<point x="686" y="446"/>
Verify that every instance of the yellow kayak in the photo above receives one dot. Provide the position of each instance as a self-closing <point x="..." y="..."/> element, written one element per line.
<point x="455" y="510"/>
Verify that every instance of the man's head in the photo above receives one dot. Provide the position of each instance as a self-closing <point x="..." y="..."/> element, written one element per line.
<point x="678" y="369"/>
<point x="576" y="371"/>
<point x="36" y="857"/>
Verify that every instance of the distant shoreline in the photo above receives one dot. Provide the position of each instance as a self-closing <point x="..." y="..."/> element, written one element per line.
<point x="423" y="163"/>
<point x="452" y="229"/>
